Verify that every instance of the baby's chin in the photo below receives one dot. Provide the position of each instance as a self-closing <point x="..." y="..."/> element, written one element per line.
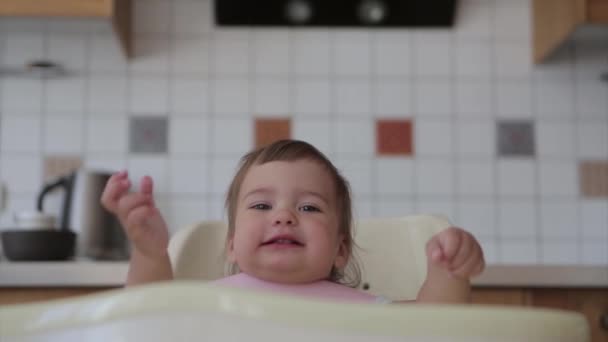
<point x="283" y="275"/>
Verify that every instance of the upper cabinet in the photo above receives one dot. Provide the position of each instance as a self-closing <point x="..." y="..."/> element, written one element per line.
<point x="555" y="20"/>
<point x="116" y="11"/>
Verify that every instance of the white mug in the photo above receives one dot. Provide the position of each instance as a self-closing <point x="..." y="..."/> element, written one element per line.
<point x="35" y="220"/>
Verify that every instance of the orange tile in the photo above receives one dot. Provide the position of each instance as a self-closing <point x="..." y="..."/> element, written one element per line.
<point x="268" y="131"/>
<point x="594" y="178"/>
<point x="394" y="137"/>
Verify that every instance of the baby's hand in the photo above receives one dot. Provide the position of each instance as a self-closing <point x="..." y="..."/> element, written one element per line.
<point x="136" y="211"/>
<point x="456" y="251"/>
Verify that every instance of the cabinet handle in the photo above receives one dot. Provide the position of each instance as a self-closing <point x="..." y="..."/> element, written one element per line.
<point x="604" y="321"/>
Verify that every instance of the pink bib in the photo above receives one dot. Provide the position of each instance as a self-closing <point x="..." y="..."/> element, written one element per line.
<point x="319" y="289"/>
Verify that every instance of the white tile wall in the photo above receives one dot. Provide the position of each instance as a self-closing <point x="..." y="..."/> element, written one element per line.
<point x="555" y="139"/>
<point x="212" y="82"/>
<point x="230" y="96"/>
<point x="63" y="135"/>
<point x="433" y="138"/>
<point x="477" y="214"/>
<point x="433" y="98"/>
<point x="392" y="54"/>
<point x="149" y="95"/>
<point x="516" y="177"/>
<point x="311" y="52"/>
<point x="359" y="174"/>
<point x="107" y="135"/>
<point x="558" y="219"/>
<point x="189" y="137"/>
<point x="434" y="177"/>
<point x="21" y="95"/>
<point x="66" y="96"/>
<point x="475" y="178"/>
<point x="189" y="96"/>
<point x="20" y="134"/>
<point x="353" y="98"/>
<point x="394" y="176"/>
<point x="354" y="138"/>
<point x="594" y="252"/>
<point x="475" y="139"/>
<point x="190" y="56"/>
<point x="312" y="97"/>
<point x="351" y="53"/>
<point x="316" y="131"/>
<point x="559" y="253"/>
<point x="188" y="176"/>
<point x="392" y="98"/>
<point x="519" y="252"/>
<point x="517" y="219"/>
<point x="107" y="95"/>
<point x="271" y="97"/>
<point x="558" y="179"/>
<point x="474" y="98"/>
<point x="594" y="215"/>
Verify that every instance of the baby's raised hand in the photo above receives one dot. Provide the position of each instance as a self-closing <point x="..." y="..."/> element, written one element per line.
<point x="456" y="251"/>
<point x="137" y="212"/>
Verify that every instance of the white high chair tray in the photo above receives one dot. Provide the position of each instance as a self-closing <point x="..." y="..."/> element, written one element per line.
<point x="188" y="311"/>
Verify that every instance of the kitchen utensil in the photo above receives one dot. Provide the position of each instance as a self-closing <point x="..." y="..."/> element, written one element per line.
<point x="38" y="245"/>
<point x="100" y="235"/>
<point x="36" y="239"/>
<point x="35" y="220"/>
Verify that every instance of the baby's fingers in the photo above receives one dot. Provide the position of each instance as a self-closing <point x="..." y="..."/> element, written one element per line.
<point x="473" y="266"/>
<point x="116" y="186"/>
<point x="433" y="250"/>
<point x="129" y="202"/>
<point x="136" y="220"/>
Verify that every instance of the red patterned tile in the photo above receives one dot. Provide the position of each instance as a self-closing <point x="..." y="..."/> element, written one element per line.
<point x="394" y="137"/>
<point x="268" y="131"/>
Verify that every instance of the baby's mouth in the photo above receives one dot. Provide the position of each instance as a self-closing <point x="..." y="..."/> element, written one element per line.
<point x="282" y="240"/>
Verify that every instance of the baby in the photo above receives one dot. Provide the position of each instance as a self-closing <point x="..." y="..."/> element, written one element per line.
<point x="289" y="230"/>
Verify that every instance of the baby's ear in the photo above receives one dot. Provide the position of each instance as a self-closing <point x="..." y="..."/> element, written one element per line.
<point x="343" y="253"/>
<point x="230" y="255"/>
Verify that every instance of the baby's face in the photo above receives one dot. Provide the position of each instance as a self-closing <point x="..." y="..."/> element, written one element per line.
<point x="286" y="225"/>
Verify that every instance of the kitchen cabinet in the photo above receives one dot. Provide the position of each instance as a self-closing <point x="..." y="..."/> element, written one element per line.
<point x="591" y="302"/>
<point x="20" y="295"/>
<point x="118" y="12"/>
<point x="555" y="20"/>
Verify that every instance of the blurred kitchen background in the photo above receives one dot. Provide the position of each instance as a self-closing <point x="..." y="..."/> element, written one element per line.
<point x="456" y="120"/>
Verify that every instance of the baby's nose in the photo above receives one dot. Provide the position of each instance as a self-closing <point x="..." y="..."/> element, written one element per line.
<point x="284" y="217"/>
<point x="287" y="221"/>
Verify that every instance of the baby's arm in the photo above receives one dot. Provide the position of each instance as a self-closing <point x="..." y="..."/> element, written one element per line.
<point x="144" y="226"/>
<point x="454" y="256"/>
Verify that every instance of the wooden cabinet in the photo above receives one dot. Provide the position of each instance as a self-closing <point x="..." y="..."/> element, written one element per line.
<point x="597" y="11"/>
<point x="593" y="303"/>
<point x="555" y="20"/>
<point x="20" y="295"/>
<point x="116" y="11"/>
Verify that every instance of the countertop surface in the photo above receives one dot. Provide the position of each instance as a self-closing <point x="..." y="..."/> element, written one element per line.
<point x="101" y="274"/>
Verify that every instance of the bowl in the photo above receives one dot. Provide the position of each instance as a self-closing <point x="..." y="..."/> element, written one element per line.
<point x="38" y="245"/>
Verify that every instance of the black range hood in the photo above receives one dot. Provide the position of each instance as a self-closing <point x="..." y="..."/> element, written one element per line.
<point x="336" y="13"/>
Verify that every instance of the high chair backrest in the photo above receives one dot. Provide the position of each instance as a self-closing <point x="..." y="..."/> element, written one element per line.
<point x="391" y="252"/>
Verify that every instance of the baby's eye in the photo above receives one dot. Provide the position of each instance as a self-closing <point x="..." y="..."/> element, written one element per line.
<point x="309" y="208"/>
<point x="260" y="206"/>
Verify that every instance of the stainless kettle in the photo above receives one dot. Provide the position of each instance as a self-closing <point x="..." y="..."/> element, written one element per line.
<point x="100" y="235"/>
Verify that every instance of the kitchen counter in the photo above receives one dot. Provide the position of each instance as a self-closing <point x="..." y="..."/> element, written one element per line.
<point x="99" y="274"/>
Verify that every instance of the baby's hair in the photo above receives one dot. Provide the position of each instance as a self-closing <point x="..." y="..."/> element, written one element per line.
<point x="293" y="150"/>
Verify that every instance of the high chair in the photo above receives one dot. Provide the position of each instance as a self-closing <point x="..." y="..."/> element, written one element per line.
<point x="393" y="265"/>
<point x="391" y="252"/>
